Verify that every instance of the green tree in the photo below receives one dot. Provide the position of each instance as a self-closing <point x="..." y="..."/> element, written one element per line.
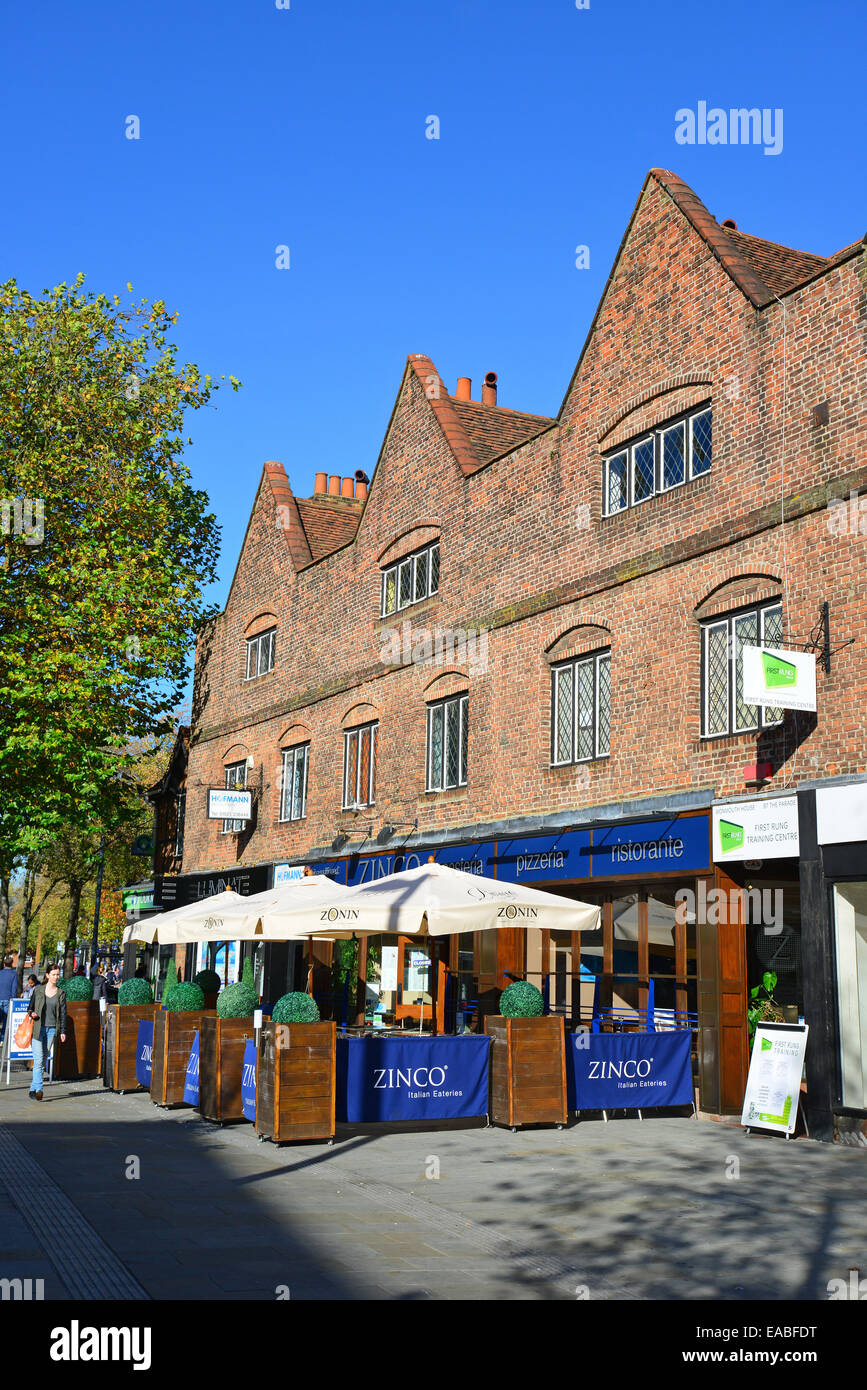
<point x="106" y="548"/>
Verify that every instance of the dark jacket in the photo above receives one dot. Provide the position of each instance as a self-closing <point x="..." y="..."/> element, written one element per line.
<point x="37" y="1006"/>
<point x="8" y="983"/>
<point x="99" y="983"/>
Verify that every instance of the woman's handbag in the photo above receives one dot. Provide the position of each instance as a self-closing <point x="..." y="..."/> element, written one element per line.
<point x="24" y="1033"/>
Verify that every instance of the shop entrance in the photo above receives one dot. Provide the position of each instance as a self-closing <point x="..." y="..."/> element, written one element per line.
<point x="850" y="929"/>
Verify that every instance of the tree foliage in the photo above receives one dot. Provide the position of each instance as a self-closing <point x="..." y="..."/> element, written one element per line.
<point x="106" y="548"/>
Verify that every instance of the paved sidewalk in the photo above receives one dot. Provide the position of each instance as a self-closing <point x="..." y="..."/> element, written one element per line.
<point x="627" y="1210"/>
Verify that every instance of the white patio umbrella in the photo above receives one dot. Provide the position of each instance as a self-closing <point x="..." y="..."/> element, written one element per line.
<point x="165" y="926"/>
<point x="431" y="900"/>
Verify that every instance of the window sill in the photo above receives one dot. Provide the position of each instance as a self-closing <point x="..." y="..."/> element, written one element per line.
<point x="423" y="605"/>
<point x="452" y="793"/>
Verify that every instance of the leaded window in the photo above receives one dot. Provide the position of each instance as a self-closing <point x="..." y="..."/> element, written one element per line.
<point x="410" y="580"/>
<point x="236" y="780"/>
<point x="293" y="795"/>
<point x="581" y="709"/>
<point x="260" y="653"/>
<point x="658" y="461"/>
<point x="359" y="767"/>
<point x="724" y="710"/>
<point x="447" y="737"/>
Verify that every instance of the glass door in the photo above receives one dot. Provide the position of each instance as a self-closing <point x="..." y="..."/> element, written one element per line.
<point x="850" y="927"/>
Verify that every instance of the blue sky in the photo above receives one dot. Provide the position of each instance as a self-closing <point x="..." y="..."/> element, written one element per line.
<point x="306" y="127"/>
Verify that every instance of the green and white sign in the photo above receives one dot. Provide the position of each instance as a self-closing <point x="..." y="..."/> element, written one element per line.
<point x="758" y="829"/>
<point x="137" y="900"/>
<point x="774" y="1080"/>
<point x="786" y="680"/>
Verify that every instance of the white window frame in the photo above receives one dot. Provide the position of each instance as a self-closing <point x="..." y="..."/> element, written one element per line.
<point x="233" y="773"/>
<point x="683" y="426"/>
<point x="685" y="420"/>
<point x="356" y="801"/>
<point x="180" y="823"/>
<point x="621" y="453"/>
<point x="395" y="570"/>
<point x="255" y="644"/>
<point x="462" y="701"/>
<point x="598" y="658"/>
<point x="645" y="438"/>
<point x="293" y="755"/>
<point x="691" y="419"/>
<point x="728" y="621"/>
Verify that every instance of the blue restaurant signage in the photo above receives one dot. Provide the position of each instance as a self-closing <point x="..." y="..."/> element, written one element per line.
<point x="628" y="1071"/>
<point x="191" y="1080"/>
<point x="144" y="1047"/>
<point x="248" y="1081"/>
<point x="622" y="850"/>
<point x="440" y="1078"/>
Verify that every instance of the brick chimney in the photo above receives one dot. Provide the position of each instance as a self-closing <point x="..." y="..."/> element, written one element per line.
<point x="489" y="390"/>
<point x="463" y="389"/>
<point x="320" y="486"/>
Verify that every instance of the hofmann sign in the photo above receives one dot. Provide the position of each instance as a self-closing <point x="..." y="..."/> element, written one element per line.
<point x="225" y="803"/>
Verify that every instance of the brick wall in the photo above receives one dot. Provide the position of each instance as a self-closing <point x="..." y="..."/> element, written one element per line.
<point x="518" y="559"/>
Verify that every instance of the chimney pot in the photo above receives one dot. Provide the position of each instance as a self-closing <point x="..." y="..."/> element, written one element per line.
<point x="320" y="486"/>
<point x="334" y="485"/>
<point x="463" y="389"/>
<point x="730" y="222"/>
<point x="489" y="390"/>
<point x="360" y="490"/>
<point x="348" y="489"/>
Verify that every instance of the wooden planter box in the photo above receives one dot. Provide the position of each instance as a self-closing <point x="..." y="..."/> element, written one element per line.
<point x="173" y="1041"/>
<point x="296" y="1085"/>
<point x="121" y="1036"/>
<point x="81" y="1054"/>
<point x="528" y="1070"/>
<point x="221" y="1060"/>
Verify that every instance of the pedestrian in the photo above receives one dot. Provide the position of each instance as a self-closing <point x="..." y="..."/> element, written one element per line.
<point x="32" y="982"/>
<point x="8" y="991"/>
<point x="98" y="983"/>
<point x="48" y="1011"/>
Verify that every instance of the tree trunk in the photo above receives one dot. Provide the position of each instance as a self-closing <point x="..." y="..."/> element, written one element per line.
<point x="26" y="913"/>
<point x="4" y="909"/>
<point x="75" y="889"/>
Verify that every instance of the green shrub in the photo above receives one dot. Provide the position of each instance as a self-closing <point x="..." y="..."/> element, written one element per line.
<point x="237" y="1001"/>
<point x="296" y="1008"/>
<point x="208" y="981"/>
<point x="247" y="973"/>
<point x="77" y="989"/>
<point x="135" y="992"/>
<point x="184" y="996"/>
<point x="521" y="1000"/>
<point x="171" y="978"/>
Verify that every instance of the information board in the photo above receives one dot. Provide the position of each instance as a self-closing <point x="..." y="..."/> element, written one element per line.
<point x="774" y="1080"/>
<point x="18" y="1009"/>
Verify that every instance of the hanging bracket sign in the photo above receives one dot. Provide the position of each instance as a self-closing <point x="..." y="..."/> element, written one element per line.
<point x="772" y="677"/>
<point x="225" y="803"/>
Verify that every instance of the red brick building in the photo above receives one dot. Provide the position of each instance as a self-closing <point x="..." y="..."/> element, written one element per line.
<point x="522" y="645"/>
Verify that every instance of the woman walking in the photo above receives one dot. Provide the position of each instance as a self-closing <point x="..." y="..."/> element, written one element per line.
<point x="48" y="1011"/>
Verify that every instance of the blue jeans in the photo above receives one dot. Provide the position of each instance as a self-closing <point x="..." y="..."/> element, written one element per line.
<point x="4" y="1017"/>
<point x="41" y="1048"/>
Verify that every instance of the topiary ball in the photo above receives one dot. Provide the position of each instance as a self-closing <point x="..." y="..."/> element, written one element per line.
<point x="208" y="980"/>
<point x="183" y="997"/>
<point x="77" y="989"/>
<point x="135" y="992"/>
<point x="237" y="1001"/>
<point x="296" y="1008"/>
<point x="521" y="1000"/>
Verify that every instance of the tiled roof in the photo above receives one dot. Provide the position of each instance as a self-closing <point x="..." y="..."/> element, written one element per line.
<point x="329" y="522"/>
<point x="493" y="430"/>
<point x="781" y="267"/>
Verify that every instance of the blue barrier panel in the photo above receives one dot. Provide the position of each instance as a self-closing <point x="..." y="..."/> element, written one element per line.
<point x="628" y="1071"/>
<point x="144" y="1047"/>
<point x="191" y="1080"/>
<point x="417" y="1079"/>
<point x="248" y="1081"/>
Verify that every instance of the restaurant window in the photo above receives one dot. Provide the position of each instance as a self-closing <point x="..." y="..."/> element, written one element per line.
<point x="293" y="794"/>
<point x="724" y="710"/>
<point x="260" y="653"/>
<point x="647" y="936"/>
<point x="236" y="780"/>
<point x="447" y="743"/>
<point x="658" y="461"/>
<point x="410" y="580"/>
<point x="359" y="767"/>
<point x="581" y="709"/>
<point x="850" y="933"/>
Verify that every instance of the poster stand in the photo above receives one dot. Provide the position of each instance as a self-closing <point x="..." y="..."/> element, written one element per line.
<point x="773" y="1090"/>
